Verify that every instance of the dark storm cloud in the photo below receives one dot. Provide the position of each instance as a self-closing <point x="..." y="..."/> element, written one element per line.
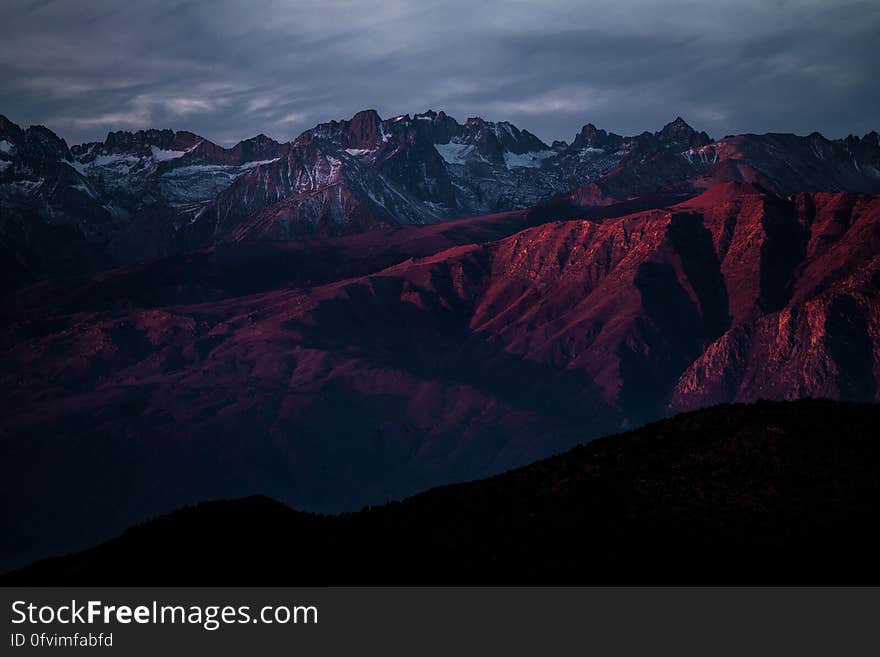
<point x="230" y="69"/>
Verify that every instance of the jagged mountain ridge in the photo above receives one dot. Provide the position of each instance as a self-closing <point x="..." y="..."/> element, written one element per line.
<point x="420" y="169"/>
<point x="179" y="170"/>
<point x="81" y="209"/>
<point x="157" y="192"/>
<point x="344" y="176"/>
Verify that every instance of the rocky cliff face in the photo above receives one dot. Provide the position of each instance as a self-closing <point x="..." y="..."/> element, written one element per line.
<point x="815" y="327"/>
<point x="734" y="295"/>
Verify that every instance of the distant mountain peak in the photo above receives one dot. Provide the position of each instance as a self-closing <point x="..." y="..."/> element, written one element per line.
<point x="361" y="131"/>
<point x="365" y="129"/>
<point x="592" y="137"/>
<point x="677" y="126"/>
<point x="679" y="133"/>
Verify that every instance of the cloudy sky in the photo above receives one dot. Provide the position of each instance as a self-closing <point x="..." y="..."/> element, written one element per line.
<point x="229" y="69"/>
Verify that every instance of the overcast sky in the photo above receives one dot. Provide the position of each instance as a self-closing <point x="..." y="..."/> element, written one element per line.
<point x="229" y="69"/>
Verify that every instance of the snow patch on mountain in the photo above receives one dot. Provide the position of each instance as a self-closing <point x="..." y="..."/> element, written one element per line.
<point x="163" y="156"/>
<point x="454" y="153"/>
<point x="80" y="186"/>
<point x="27" y="186"/>
<point x="258" y="163"/>
<point x="7" y="147"/>
<point x="192" y="169"/>
<point x="121" y="163"/>
<point x="526" y="159"/>
<point x="702" y="155"/>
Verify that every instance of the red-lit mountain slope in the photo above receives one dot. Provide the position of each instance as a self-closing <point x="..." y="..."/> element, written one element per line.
<point x="445" y="366"/>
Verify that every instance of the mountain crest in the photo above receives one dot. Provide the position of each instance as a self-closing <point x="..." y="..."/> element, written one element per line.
<point x="36" y="142"/>
<point x="680" y="133"/>
<point x="592" y="137"/>
<point x="123" y="141"/>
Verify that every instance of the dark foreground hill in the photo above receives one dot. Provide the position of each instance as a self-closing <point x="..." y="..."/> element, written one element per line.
<point x="782" y="492"/>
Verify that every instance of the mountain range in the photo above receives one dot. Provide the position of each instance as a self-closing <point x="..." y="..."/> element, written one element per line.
<point x="74" y="210"/>
<point x="382" y="306"/>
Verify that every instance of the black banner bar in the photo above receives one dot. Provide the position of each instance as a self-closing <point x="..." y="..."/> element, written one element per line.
<point x="451" y="621"/>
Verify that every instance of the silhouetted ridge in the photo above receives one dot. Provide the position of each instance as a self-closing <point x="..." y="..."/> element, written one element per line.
<point x="769" y="493"/>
